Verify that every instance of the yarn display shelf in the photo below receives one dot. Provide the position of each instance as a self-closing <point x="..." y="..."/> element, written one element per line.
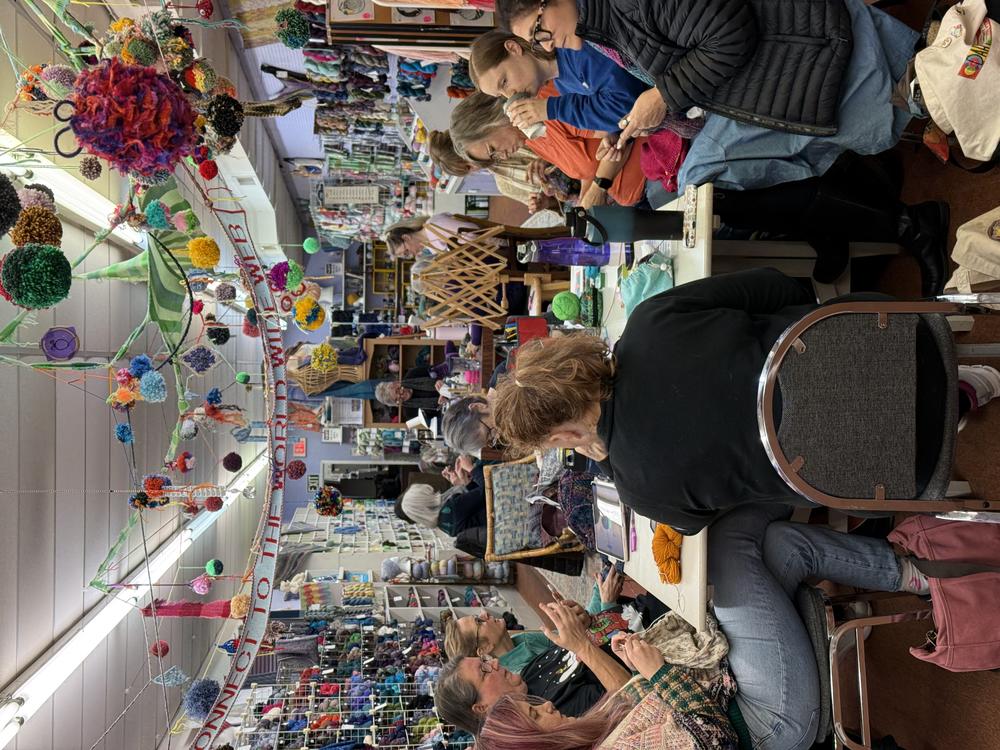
<point x="430" y="601"/>
<point x="379" y="530"/>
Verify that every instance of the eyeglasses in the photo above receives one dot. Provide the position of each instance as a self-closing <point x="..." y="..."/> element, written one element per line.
<point x="539" y="34"/>
<point x="492" y="439"/>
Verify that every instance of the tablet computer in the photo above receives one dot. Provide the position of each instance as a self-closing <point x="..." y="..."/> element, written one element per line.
<point x="611" y="520"/>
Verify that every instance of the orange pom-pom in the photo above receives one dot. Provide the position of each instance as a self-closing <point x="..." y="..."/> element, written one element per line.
<point x="667" y="553"/>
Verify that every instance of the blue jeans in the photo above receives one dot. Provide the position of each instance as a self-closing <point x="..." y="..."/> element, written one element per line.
<point x="756" y="561"/>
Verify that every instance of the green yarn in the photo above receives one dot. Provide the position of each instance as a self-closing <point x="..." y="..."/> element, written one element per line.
<point x="294" y="277"/>
<point x="242" y="377"/>
<point x="293" y="28"/>
<point x="143" y="52"/>
<point x="566" y="306"/>
<point x="310" y="245"/>
<point x="214" y="567"/>
<point x="36" y="276"/>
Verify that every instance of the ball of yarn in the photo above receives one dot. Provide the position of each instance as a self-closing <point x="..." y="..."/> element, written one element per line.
<point x="239" y="605"/>
<point x="225" y="114"/>
<point x="159" y="648"/>
<point x="139" y="365"/>
<point x="310" y="245"/>
<point x="153" y="388"/>
<point x="123" y="433"/>
<point x="37" y="225"/>
<point x="309" y="315"/>
<point x="242" y="377"/>
<point x="208" y="169"/>
<point x="390" y="569"/>
<point x="225" y="292"/>
<point x="132" y="116"/>
<point x="294" y="277"/>
<point x="10" y="204"/>
<point x="204" y="252"/>
<point x="293" y="28"/>
<point x="566" y="306"/>
<point x="295" y="469"/>
<point x="90" y="168"/>
<point x="213" y="504"/>
<point x="138" y="51"/>
<point x="232" y="462"/>
<point x="157" y="215"/>
<point x="200" y="698"/>
<point x="277" y="275"/>
<point x="201" y="585"/>
<point x="31" y="197"/>
<point x="667" y="553"/>
<point x="188" y="429"/>
<point x="200" y="76"/>
<point x="214" y="567"/>
<point x="218" y="335"/>
<point x="324" y="358"/>
<point x="36" y="276"/>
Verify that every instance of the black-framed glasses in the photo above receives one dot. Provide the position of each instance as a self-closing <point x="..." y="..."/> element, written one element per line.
<point x="492" y="439"/>
<point x="539" y="34"/>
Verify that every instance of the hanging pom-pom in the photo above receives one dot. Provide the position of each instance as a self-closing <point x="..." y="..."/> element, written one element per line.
<point x="201" y="585"/>
<point x="200" y="698"/>
<point x="242" y="377"/>
<point x="309" y="315"/>
<point x="138" y="51"/>
<point x="293" y="28"/>
<point x="123" y="433"/>
<point x="185" y="221"/>
<point x="188" y="430"/>
<point x="225" y="292"/>
<point x="204" y="252"/>
<point x="156" y="485"/>
<point x="225" y="114"/>
<point x="205" y="8"/>
<point x="214" y="397"/>
<point x="37" y="225"/>
<point x="296" y="469"/>
<point x="30" y="197"/>
<point x="277" y="275"/>
<point x="232" y="462"/>
<point x="250" y="328"/>
<point x="214" y="567"/>
<point x="159" y="649"/>
<point x="328" y="501"/>
<point x="44" y="188"/>
<point x="140" y="365"/>
<point x="310" y="245"/>
<point x="213" y="504"/>
<point x="122" y="399"/>
<point x="200" y="76"/>
<point x="218" y="335"/>
<point x="90" y="168"/>
<point x="208" y="169"/>
<point x="158" y="215"/>
<point x="36" y="276"/>
<point x="239" y="605"/>
<point x="198" y="305"/>
<point x="124" y="377"/>
<point x="323" y="358"/>
<point x="153" y="388"/>
<point x="61" y="79"/>
<point x="177" y="53"/>
<point x="295" y="276"/>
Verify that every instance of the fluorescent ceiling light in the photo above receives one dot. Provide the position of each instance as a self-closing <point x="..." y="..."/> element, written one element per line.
<point x="72" y="194"/>
<point x="9" y="709"/>
<point x="39" y="683"/>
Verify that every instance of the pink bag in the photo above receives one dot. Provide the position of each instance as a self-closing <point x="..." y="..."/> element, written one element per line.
<point x="966" y="607"/>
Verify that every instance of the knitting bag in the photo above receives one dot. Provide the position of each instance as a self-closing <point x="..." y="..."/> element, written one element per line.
<point x="576" y="498"/>
<point x="966" y="595"/>
<point x="650" y="276"/>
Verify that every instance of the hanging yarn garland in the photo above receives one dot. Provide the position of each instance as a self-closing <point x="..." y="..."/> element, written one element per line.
<point x="204" y="252"/>
<point x="158" y="215"/>
<point x="200" y="698"/>
<point x="225" y="115"/>
<point x="123" y="433"/>
<point x="36" y="276"/>
<point x="159" y="649"/>
<point x="10" y="204"/>
<point x="295" y="469"/>
<point x="90" y="168"/>
<point x="134" y="117"/>
<point x="324" y="358"/>
<point x="232" y="462"/>
<point x="37" y="225"/>
<point x="310" y="245"/>
<point x="293" y="28"/>
<point x="328" y="501"/>
<point x="214" y="567"/>
<point x="309" y="315"/>
<point x="667" y="553"/>
<point x="201" y="585"/>
<point x="31" y="197"/>
<point x="239" y="605"/>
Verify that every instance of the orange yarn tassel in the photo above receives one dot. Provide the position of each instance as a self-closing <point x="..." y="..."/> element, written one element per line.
<point x="667" y="553"/>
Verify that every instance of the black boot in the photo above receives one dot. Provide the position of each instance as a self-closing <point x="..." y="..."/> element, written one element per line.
<point x="832" y="256"/>
<point x="923" y="232"/>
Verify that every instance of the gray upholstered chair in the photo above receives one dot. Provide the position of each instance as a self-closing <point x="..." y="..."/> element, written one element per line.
<point x="858" y="406"/>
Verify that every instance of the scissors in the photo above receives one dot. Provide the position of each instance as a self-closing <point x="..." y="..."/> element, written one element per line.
<point x="58" y="114"/>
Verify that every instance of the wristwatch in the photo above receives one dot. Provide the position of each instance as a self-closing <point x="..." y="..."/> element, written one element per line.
<point x="604" y="183"/>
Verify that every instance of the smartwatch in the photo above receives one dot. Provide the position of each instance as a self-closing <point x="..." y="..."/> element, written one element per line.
<point x="604" y="183"/>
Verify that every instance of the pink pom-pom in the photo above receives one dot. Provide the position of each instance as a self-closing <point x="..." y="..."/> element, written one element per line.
<point x="201" y="585"/>
<point x="213" y="503"/>
<point x="296" y="469"/>
<point x="159" y="648"/>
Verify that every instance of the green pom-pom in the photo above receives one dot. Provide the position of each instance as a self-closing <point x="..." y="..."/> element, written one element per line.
<point x="214" y="567"/>
<point x="140" y="52"/>
<point x="242" y="377"/>
<point x="294" y="277"/>
<point x="36" y="276"/>
<point x="310" y="245"/>
<point x="566" y="306"/>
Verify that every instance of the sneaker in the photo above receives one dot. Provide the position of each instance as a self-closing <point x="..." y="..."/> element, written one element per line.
<point x="983" y="380"/>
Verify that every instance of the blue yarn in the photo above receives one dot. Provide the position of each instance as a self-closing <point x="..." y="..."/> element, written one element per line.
<point x="153" y="387"/>
<point x="214" y="397"/>
<point x="123" y="433"/>
<point x="200" y="698"/>
<point x="140" y="365"/>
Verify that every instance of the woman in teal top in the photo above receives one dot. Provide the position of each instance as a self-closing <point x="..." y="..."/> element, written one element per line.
<point x="486" y="634"/>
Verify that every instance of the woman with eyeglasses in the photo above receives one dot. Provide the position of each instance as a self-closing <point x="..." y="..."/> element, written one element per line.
<point x="793" y="83"/>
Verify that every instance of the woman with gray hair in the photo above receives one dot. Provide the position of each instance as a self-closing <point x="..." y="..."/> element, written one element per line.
<point x="460" y="512"/>
<point x="468" y="425"/>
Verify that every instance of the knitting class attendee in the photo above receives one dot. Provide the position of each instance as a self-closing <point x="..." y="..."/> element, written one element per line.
<point x="594" y="92"/>
<point x="523" y="177"/>
<point x="671" y="415"/>
<point x="421" y="388"/>
<point x="467" y="425"/>
<point x="454" y="511"/>
<point x="793" y="89"/>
